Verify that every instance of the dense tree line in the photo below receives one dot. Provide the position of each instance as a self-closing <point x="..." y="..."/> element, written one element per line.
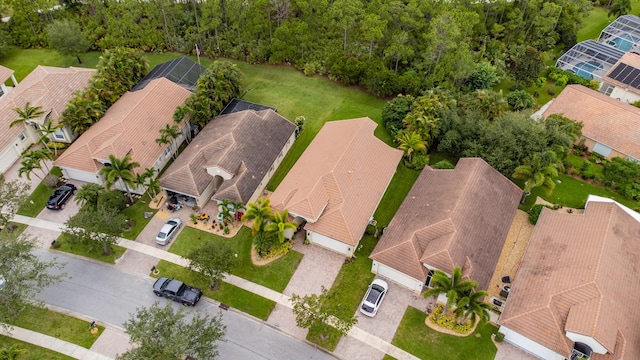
<point x="387" y="46"/>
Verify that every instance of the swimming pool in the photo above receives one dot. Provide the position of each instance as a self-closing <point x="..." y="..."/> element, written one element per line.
<point x="586" y="69"/>
<point x="624" y="42"/>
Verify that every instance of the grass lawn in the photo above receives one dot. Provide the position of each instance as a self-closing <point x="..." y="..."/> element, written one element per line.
<point x="398" y="189"/>
<point x="38" y="198"/>
<point x="597" y="20"/>
<point x="34" y="352"/>
<point x="275" y="275"/>
<point x="418" y="339"/>
<point x="82" y="250"/>
<point x="57" y="325"/>
<point x="233" y="296"/>
<point x="136" y="213"/>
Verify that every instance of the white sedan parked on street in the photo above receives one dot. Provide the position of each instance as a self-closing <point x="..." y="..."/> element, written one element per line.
<point x="168" y="231"/>
<point x="373" y="298"/>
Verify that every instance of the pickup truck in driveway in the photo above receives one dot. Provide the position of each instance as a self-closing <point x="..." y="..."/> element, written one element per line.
<point x="177" y="291"/>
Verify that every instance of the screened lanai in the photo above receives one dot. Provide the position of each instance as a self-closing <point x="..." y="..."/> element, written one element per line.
<point x="623" y="33"/>
<point x="589" y="59"/>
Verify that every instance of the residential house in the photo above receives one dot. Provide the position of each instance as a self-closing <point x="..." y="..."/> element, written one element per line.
<point x="51" y="88"/>
<point x="5" y="75"/>
<point x="611" y="127"/>
<point x="129" y="127"/>
<point x="232" y="158"/>
<point x="576" y="292"/>
<point x="622" y="82"/>
<point x="450" y="218"/>
<point x="338" y="182"/>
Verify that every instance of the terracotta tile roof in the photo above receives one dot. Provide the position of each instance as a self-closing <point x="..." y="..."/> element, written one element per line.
<point x="130" y="126"/>
<point x="451" y="218"/>
<point x="584" y="271"/>
<point x="606" y="120"/>
<point x="5" y="74"/>
<point x="245" y="144"/>
<point x="339" y="180"/>
<point x="48" y="87"/>
<point x="629" y="58"/>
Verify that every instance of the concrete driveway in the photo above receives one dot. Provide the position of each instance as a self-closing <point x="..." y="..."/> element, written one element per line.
<point x="61" y="216"/>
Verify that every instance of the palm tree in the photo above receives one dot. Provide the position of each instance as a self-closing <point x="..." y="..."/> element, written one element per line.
<point x="40" y="156"/>
<point x="260" y="213"/>
<point x="89" y="193"/>
<point x="454" y="287"/>
<point x="472" y="306"/>
<point x="179" y="115"/>
<point x="153" y="186"/>
<point x="168" y="135"/>
<point x="411" y="142"/>
<point x="28" y="165"/>
<point x="47" y="130"/>
<point x="619" y="8"/>
<point x="280" y="224"/>
<point x="119" y="170"/>
<point x="537" y="171"/>
<point x="26" y="114"/>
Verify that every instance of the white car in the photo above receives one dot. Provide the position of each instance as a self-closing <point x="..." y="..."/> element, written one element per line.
<point x="373" y="298"/>
<point x="168" y="231"/>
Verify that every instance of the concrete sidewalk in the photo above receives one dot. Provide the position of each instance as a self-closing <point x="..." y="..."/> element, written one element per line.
<point x="61" y="346"/>
<point x="267" y="293"/>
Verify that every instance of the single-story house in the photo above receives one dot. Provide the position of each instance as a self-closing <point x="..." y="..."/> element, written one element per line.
<point x="232" y="158"/>
<point x="611" y="127"/>
<point x="129" y="127"/>
<point x="450" y="218"/>
<point x="576" y="292"/>
<point x="5" y="75"/>
<point x="51" y="88"/>
<point x="622" y="82"/>
<point x="338" y="182"/>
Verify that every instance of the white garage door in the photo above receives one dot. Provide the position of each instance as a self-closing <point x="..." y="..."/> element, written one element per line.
<point x="79" y="175"/>
<point x="396" y="276"/>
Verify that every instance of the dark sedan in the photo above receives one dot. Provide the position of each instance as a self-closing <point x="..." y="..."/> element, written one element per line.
<point x="60" y="196"/>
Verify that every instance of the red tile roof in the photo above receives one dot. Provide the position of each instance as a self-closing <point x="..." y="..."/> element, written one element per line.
<point x="48" y="87"/>
<point x="581" y="274"/>
<point x="5" y="74"/>
<point x="606" y="120"/>
<point x="339" y="180"/>
<point x="130" y="126"/>
<point x="451" y="218"/>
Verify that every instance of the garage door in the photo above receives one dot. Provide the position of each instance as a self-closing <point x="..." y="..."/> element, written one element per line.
<point x="397" y="277"/>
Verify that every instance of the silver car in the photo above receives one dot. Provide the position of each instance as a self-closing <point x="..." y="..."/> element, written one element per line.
<point x="373" y="298"/>
<point x="168" y="231"/>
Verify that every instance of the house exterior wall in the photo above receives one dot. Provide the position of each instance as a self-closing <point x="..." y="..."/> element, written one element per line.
<point x="625" y="95"/>
<point x="331" y="244"/>
<point x="394" y="275"/>
<point x="588" y="340"/>
<point x="4" y="90"/>
<point x="267" y="177"/>
<point x="591" y="144"/>
<point x="12" y="153"/>
<point x="529" y="345"/>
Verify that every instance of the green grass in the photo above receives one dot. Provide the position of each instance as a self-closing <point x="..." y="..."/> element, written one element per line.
<point x="136" y="213"/>
<point x="81" y="250"/>
<point x="38" y="198"/>
<point x="597" y="20"/>
<point x="418" y="339"/>
<point x="61" y="326"/>
<point x="34" y="352"/>
<point x="233" y="296"/>
<point x="398" y="189"/>
<point x="275" y="275"/>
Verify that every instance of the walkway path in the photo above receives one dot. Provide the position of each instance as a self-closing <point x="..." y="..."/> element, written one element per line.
<point x="267" y="293"/>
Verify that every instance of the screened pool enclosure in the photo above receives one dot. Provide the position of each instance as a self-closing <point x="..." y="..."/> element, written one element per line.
<point x="590" y="59"/>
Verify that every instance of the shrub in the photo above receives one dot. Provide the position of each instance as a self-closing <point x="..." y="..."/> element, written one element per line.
<point x="51" y="181"/>
<point x="541" y="81"/>
<point x="440" y="319"/>
<point x="499" y="337"/>
<point x="534" y="213"/>
<point x="281" y="249"/>
<point x="370" y="230"/>
<point x="551" y="91"/>
<point x="419" y="161"/>
<point x="443" y="164"/>
<point x="520" y="100"/>
<point x="313" y="67"/>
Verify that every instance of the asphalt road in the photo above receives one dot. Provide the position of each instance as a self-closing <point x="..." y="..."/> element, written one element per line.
<point x="106" y="294"/>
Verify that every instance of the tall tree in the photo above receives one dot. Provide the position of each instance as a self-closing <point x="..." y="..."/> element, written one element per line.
<point x="28" y="166"/>
<point x="163" y="333"/>
<point x="212" y="260"/>
<point x="168" y="136"/>
<point x="12" y="195"/>
<point x="454" y="287"/>
<point x="119" y="170"/>
<point x="317" y="311"/>
<point x="97" y="229"/>
<point x="472" y="306"/>
<point x="66" y="37"/>
<point x="26" y="114"/>
<point x="619" y="8"/>
<point x="537" y="171"/>
<point x="47" y="130"/>
<point x="410" y="143"/>
<point x="89" y="193"/>
<point x="24" y="274"/>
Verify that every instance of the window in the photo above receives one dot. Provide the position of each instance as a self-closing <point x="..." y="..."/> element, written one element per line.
<point x="22" y="136"/>
<point x="1" y="92"/>
<point x="280" y="155"/>
<point x="59" y="135"/>
<point x="607" y="89"/>
<point x="167" y="151"/>
<point x="429" y="277"/>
